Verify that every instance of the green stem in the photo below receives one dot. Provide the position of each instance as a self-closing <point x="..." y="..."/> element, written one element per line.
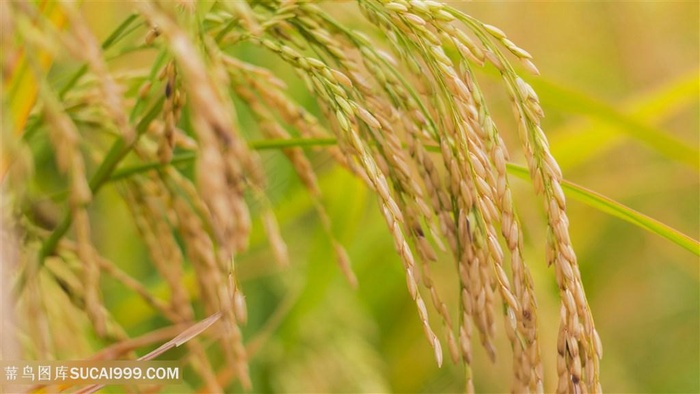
<point x="190" y="156"/>
<point x="573" y="190"/>
<point x="117" y="152"/>
<point x="106" y="173"/>
<point x="113" y="38"/>
<point x="120" y="148"/>
<point x="120" y="32"/>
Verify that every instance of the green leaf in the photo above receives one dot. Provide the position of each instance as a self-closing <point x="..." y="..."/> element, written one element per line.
<point x="614" y="208"/>
<point x="554" y="95"/>
<point x="581" y="140"/>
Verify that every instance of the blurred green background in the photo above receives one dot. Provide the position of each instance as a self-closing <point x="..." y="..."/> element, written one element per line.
<point x="610" y="73"/>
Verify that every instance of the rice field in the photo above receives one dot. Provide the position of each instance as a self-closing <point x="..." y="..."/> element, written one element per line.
<point x="364" y="196"/>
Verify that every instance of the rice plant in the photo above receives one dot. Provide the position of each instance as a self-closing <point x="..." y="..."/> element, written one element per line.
<point x="178" y="137"/>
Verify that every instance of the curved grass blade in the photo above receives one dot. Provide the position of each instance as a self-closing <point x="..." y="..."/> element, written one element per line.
<point x="581" y="140"/>
<point x="554" y="95"/>
<point x="614" y="208"/>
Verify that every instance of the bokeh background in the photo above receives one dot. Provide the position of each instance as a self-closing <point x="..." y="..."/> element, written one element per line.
<point x="610" y="71"/>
